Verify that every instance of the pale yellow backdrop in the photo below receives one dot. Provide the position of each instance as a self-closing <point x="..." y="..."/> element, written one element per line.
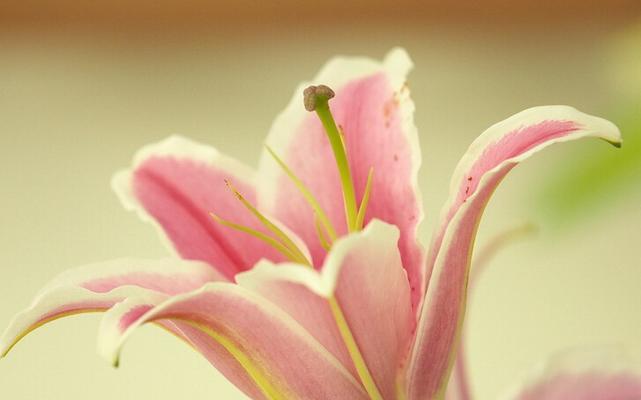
<point x="75" y="104"/>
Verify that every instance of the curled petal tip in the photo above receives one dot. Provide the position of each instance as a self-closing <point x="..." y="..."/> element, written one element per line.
<point x="7" y="346"/>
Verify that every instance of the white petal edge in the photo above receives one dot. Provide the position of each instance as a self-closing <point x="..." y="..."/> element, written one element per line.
<point x="180" y="148"/>
<point x="23" y="323"/>
<point x="109" y="332"/>
<point x="65" y="289"/>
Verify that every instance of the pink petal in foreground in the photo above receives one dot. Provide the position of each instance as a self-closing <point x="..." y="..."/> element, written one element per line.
<point x="98" y="287"/>
<point x="479" y="172"/>
<point x="251" y="340"/>
<point x="364" y="273"/>
<point x="374" y="110"/>
<point x="176" y="183"/>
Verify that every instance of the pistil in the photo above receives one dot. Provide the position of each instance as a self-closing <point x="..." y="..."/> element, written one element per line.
<point x="316" y="98"/>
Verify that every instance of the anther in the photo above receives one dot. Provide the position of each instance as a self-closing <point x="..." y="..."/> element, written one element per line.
<point x="314" y="95"/>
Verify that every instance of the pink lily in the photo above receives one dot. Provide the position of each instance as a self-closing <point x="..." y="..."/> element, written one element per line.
<point x="286" y="294"/>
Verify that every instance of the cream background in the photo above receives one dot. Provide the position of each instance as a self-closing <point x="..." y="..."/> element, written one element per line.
<point x="74" y="108"/>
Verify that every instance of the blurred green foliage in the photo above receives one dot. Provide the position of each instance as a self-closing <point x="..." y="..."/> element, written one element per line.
<point x="592" y="178"/>
<point x="600" y="178"/>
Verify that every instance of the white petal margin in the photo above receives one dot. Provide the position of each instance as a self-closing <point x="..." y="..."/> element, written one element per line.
<point x="97" y="287"/>
<point x="336" y="73"/>
<point x="279" y="355"/>
<point x="181" y="148"/>
<point x="580" y="374"/>
<point x="364" y="273"/>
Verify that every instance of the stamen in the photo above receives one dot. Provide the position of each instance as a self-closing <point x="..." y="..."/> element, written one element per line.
<point x="360" y="218"/>
<point x="282" y="236"/>
<point x="259" y="235"/>
<point x="252" y="367"/>
<point x="321" y="235"/>
<point x="316" y="99"/>
<point x="353" y="350"/>
<point x="309" y="197"/>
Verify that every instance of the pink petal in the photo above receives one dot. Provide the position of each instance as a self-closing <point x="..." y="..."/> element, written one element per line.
<point x="582" y="378"/>
<point x="256" y="345"/>
<point x="364" y="272"/>
<point x="98" y="287"/>
<point x="373" y="107"/>
<point x="176" y="183"/>
<point x="586" y="386"/>
<point x="480" y="170"/>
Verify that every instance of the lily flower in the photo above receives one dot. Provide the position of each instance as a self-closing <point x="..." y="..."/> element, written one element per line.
<point x="303" y="279"/>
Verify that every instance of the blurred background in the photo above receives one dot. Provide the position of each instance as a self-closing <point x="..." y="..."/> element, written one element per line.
<point x="84" y="84"/>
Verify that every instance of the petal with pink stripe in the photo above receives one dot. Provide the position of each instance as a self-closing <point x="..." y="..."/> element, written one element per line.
<point x="250" y="339"/>
<point x="477" y="175"/>
<point x="98" y="287"/>
<point x="375" y="113"/>
<point x="363" y="271"/>
<point x="176" y="183"/>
